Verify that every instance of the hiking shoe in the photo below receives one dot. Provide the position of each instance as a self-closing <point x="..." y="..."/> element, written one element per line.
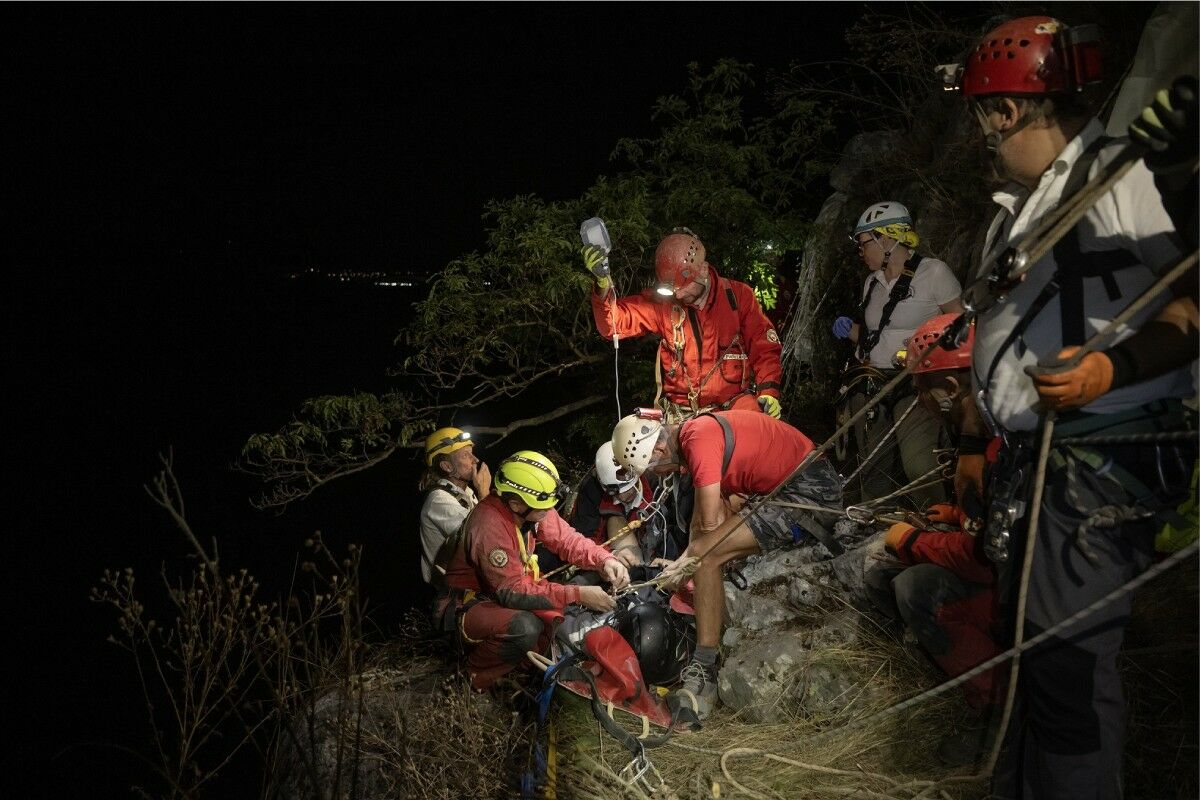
<point x="972" y="742"/>
<point x="696" y="697"/>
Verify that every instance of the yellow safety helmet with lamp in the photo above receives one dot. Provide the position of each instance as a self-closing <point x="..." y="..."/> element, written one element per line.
<point x="445" y="441"/>
<point x="532" y="478"/>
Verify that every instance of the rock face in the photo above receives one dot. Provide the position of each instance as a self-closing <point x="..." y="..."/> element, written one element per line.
<point x="799" y="607"/>
<point x="398" y="731"/>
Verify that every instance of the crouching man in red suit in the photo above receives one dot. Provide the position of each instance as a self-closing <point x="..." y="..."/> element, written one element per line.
<point x="500" y="603"/>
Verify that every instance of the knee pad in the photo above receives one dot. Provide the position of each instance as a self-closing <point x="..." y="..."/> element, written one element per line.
<point x="523" y="632"/>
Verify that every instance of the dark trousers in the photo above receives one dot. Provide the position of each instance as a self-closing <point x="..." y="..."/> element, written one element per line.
<point x="1066" y="735"/>
<point x="951" y="618"/>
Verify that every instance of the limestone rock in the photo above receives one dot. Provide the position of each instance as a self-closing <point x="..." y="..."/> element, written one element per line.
<point x="390" y="729"/>
<point x="803" y="593"/>
<point x="754" y="612"/>
<point x="758" y="678"/>
<point x="862" y="151"/>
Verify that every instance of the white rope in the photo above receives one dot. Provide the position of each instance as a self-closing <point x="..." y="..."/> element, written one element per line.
<point x="882" y="442"/>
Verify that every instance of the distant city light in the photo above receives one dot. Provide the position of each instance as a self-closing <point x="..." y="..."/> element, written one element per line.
<point x="386" y="280"/>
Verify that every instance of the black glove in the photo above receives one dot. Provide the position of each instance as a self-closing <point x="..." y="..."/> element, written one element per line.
<point x="1168" y="129"/>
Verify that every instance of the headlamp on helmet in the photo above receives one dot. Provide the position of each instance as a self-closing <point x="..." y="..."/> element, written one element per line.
<point x="445" y="441"/>
<point x="1028" y="56"/>
<point x="679" y="260"/>
<point x="531" y="478"/>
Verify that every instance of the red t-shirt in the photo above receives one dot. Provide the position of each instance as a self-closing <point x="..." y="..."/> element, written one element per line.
<point x="765" y="451"/>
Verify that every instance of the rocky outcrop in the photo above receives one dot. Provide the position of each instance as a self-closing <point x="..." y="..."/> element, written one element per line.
<point x="403" y="730"/>
<point x="799" y="608"/>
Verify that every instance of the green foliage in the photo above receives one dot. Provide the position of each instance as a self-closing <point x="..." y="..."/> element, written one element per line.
<point x="514" y="320"/>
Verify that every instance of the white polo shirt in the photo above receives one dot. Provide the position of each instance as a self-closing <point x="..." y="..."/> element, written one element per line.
<point x="1130" y="217"/>
<point x="441" y="516"/>
<point x="933" y="285"/>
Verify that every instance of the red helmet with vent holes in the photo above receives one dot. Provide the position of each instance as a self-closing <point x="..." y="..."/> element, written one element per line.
<point x="678" y="260"/>
<point x="1033" y="56"/>
<point x="922" y="345"/>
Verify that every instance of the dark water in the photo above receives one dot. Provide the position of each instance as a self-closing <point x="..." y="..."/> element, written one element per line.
<point x="110" y="367"/>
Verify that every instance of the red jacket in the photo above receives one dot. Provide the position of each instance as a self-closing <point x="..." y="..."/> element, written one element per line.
<point x="957" y="551"/>
<point x="488" y="560"/>
<point x="738" y="347"/>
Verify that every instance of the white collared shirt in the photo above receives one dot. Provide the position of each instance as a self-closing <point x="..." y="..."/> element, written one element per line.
<point x="1131" y="218"/>
<point x="933" y="285"/>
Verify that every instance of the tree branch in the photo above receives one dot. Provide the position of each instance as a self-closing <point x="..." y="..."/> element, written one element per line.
<point x="562" y="411"/>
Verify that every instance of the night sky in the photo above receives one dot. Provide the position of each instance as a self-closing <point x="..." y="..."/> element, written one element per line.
<point x="167" y="166"/>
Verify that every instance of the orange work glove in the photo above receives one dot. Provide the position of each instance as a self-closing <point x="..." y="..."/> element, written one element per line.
<point x="1090" y="378"/>
<point x="894" y="539"/>
<point x="946" y="513"/>
<point x="968" y="476"/>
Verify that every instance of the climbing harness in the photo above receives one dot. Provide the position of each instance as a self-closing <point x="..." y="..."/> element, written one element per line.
<point x="884" y="440"/>
<point x="1001" y="270"/>
<point x="899" y="293"/>
<point x="677" y="412"/>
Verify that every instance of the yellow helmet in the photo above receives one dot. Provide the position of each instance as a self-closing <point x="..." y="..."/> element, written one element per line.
<point x="532" y="477"/>
<point x="445" y="441"/>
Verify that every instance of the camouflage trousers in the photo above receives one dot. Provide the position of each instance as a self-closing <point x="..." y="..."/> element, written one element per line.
<point x="774" y="525"/>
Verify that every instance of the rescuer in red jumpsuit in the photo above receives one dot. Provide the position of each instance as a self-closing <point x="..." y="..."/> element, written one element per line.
<point x="940" y="582"/>
<point x="718" y="349"/>
<point x="501" y="603"/>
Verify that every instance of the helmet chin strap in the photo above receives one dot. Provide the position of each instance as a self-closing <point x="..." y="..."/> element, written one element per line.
<point x="887" y="254"/>
<point x="993" y="138"/>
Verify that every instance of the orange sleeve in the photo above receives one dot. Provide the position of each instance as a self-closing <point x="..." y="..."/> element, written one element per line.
<point x="763" y="348"/>
<point x="630" y="316"/>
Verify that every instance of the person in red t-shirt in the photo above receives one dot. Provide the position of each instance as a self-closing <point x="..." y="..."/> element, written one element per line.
<point x="731" y="456"/>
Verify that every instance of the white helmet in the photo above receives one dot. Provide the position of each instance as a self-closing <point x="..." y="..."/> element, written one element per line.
<point x="881" y="215"/>
<point x="606" y="471"/>
<point x="633" y="442"/>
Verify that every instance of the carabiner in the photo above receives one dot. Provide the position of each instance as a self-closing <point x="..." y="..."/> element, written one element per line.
<point x="859" y="514"/>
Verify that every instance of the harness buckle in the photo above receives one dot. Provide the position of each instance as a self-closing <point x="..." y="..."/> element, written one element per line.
<point x="1006" y="273"/>
<point x="1007" y="505"/>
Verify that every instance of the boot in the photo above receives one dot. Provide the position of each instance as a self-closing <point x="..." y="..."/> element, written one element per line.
<point x="698" y="694"/>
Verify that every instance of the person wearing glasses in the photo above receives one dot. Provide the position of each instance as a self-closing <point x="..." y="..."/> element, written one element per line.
<point x="902" y="290"/>
<point x="608" y="503"/>
<point x="717" y="350"/>
<point x="454" y="481"/>
<point x="501" y="605"/>
<point x="1029" y="84"/>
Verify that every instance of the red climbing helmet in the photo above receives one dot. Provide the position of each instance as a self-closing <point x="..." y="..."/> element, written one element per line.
<point x="678" y="260"/>
<point x="922" y="346"/>
<point x="1032" y="56"/>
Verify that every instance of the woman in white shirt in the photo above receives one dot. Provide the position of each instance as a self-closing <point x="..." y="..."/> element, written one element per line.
<point x="901" y="291"/>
